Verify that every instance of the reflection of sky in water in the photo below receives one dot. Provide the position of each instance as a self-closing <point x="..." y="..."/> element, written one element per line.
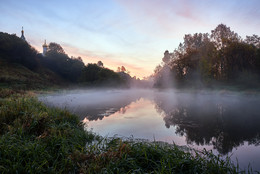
<point x="139" y="119"/>
<point x="245" y="154"/>
<point x="226" y="122"/>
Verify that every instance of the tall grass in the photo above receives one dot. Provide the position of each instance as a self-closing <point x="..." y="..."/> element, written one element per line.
<point x="117" y="156"/>
<point x="37" y="139"/>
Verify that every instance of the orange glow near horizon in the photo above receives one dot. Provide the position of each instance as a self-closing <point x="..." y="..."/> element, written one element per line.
<point x="133" y="34"/>
<point x="111" y="64"/>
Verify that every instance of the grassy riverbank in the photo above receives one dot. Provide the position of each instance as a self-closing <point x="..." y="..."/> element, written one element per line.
<point x="38" y="139"/>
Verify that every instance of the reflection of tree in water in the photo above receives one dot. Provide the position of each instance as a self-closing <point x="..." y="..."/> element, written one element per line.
<point x="98" y="113"/>
<point x="223" y="121"/>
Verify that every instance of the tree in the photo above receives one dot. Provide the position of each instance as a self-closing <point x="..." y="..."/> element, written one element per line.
<point x="54" y="47"/>
<point x="222" y="56"/>
<point x="80" y="59"/>
<point x="222" y="34"/>
<point x="100" y="63"/>
<point x="75" y="68"/>
<point x="239" y="57"/>
<point x="253" y="40"/>
<point x="95" y="74"/>
<point x="90" y="73"/>
<point x="157" y="69"/>
<point x="15" y="50"/>
<point x="167" y="56"/>
<point x="58" y="61"/>
<point x="123" y="69"/>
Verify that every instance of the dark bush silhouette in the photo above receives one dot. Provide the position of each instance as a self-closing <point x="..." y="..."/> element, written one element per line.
<point x="95" y="74"/>
<point x="15" y="50"/>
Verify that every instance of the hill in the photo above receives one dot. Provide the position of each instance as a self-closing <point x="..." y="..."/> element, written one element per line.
<point x="17" y="76"/>
<point x="22" y="67"/>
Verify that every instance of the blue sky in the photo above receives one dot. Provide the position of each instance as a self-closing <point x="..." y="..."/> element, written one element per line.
<point x="133" y="33"/>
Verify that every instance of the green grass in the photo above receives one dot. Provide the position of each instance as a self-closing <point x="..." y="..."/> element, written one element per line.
<point x="38" y="139"/>
<point x="117" y="156"/>
<point x="18" y="77"/>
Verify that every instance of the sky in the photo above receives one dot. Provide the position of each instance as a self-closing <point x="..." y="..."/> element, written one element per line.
<point x="130" y="33"/>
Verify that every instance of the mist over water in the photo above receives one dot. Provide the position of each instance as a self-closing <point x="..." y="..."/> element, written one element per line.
<point x="94" y="104"/>
<point x="227" y="122"/>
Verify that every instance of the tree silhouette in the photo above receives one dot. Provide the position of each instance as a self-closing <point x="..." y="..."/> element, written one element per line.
<point x="95" y="74"/>
<point x="203" y="59"/>
<point x="123" y="69"/>
<point x="54" y="47"/>
<point x="100" y="63"/>
<point x="15" y="50"/>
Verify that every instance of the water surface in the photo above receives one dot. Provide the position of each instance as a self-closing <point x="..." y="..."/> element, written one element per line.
<point x="225" y="122"/>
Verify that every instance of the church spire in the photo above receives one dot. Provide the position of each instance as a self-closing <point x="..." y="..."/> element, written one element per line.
<point x="44" y="45"/>
<point x="22" y="36"/>
<point x="44" y="48"/>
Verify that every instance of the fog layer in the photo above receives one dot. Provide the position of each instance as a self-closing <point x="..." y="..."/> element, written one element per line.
<point x="222" y="119"/>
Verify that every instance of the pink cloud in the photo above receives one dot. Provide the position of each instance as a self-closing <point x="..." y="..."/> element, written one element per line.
<point x="185" y="9"/>
<point x="163" y="18"/>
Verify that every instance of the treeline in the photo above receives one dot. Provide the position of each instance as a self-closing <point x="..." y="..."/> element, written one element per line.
<point x="68" y="69"/>
<point x="14" y="49"/>
<point x="204" y="59"/>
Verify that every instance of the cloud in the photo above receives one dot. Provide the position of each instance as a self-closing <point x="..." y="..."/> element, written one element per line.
<point x="166" y="19"/>
<point x="133" y="33"/>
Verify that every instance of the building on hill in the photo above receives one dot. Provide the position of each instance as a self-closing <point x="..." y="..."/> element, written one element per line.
<point x="44" y="48"/>
<point x="22" y="36"/>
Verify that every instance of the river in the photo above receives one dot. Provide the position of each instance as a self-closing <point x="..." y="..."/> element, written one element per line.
<point x="228" y="123"/>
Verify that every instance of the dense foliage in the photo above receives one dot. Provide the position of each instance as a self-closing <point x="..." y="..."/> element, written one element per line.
<point x="59" y="62"/>
<point x="18" y="51"/>
<point x="203" y="58"/>
<point x="56" y="67"/>
<point x="95" y="74"/>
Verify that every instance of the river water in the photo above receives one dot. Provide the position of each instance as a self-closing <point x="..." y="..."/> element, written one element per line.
<point x="227" y="123"/>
